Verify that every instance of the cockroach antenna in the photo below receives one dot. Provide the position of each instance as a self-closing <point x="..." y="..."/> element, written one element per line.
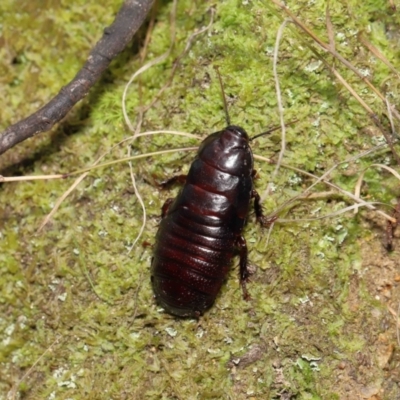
<point x="227" y="118"/>
<point x="274" y="128"/>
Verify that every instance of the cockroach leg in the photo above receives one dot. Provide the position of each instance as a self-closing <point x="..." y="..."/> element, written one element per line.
<point x="244" y="272"/>
<point x="261" y="218"/>
<point x="165" y="207"/>
<point x="181" y="179"/>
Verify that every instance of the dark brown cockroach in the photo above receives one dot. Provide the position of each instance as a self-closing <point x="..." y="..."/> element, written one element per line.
<point x="202" y="228"/>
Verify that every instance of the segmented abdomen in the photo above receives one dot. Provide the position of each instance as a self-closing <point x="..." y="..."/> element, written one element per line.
<point x="192" y="257"/>
<point x="197" y="237"/>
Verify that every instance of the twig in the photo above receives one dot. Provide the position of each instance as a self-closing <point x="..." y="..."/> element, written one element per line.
<point x="115" y="38"/>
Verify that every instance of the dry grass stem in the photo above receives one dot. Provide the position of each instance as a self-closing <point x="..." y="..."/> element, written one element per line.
<point x="94" y="165"/>
<point x="143" y="110"/>
<point x="147" y="66"/>
<point x="335" y="54"/>
<point x="377" y="53"/>
<point x="13" y="392"/>
<point x="330" y="29"/>
<point x="331" y="215"/>
<point x="280" y="108"/>
<point x="29" y="178"/>
<point x="323" y="179"/>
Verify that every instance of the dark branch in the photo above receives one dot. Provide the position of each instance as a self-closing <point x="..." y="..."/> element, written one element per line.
<point x="115" y="38"/>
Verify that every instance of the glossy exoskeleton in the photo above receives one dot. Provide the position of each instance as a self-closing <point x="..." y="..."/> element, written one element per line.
<point x="202" y="228"/>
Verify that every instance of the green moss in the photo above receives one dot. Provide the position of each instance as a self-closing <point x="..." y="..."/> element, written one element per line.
<point x="78" y="307"/>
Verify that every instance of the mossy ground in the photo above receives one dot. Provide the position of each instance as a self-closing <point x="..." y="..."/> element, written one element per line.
<point x="78" y="319"/>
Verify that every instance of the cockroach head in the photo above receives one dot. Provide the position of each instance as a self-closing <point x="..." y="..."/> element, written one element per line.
<point x="237" y="130"/>
<point x="228" y="151"/>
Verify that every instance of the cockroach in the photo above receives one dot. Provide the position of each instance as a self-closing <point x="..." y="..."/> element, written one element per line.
<point x="201" y="229"/>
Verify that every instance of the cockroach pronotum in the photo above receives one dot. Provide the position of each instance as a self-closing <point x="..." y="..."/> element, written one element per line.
<point x="202" y="228"/>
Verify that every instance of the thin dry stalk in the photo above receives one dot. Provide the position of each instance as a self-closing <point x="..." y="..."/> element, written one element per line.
<point x="361" y="178"/>
<point x="143" y="110"/>
<point x="391" y="118"/>
<point x="137" y="157"/>
<point x="370" y="112"/>
<point x="280" y="108"/>
<point x="160" y="59"/>
<point x="323" y="179"/>
<point x="80" y="179"/>
<point x="140" y="119"/>
<point x="68" y="174"/>
<point x="61" y="199"/>
<point x="29" y="178"/>
<point x="147" y="66"/>
<point x="141" y="202"/>
<point x="13" y="392"/>
<point x="175" y="65"/>
<point x="376" y="52"/>
<point x="331" y="48"/>
<point x="330" y="29"/>
<point x="331" y="215"/>
<point x="373" y="116"/>
<point x="335" y="54"/>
